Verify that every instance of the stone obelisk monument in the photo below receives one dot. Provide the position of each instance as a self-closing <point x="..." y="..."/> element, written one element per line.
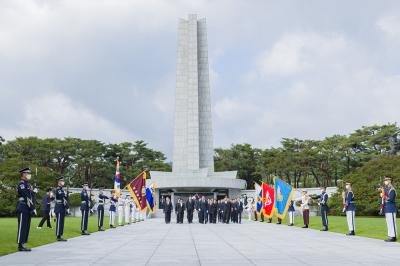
<point x="193" y="161"/>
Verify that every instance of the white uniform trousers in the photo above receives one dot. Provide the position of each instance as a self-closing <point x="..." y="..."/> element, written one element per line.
<point x="112" y="217"/>
<point x="291" y="217"/>
<point x="120" y="214"/>
<point x="391" y="224"/>
<point x="127" y="214"/>
<point x="133" y="214"/>
<point x="351" y="221"/>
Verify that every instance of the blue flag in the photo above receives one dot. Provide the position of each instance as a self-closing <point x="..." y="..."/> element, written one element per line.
<point x="258" y="197"/>
<point x="283" y="195"/>
<point x="150" y="199"/>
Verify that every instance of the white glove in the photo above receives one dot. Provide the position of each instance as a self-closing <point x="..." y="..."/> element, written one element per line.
<point x="344" y="210"/>
<point x="35" y="212"/>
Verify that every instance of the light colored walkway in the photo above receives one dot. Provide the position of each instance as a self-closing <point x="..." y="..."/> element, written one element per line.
<point x="154" y="243"/>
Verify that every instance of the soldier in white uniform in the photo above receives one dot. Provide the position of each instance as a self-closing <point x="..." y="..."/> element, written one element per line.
<point x="305" y="201"/>
<point x="350" y="208"/>
<point x="133" y="211"/>
<point x="390" y="209"/>
<point x="120" y="210"/>
<point x="127" y="208"/>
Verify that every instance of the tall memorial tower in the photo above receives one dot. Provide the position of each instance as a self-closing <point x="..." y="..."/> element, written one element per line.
<point x="193" y="161"/>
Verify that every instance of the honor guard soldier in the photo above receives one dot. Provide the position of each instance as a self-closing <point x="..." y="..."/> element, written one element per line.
<point x="323" y="203"/>
<point x="100" y="209"/>
<point x="121" y="202"/>
<point x="25" y="208"/>
<point x="390" y="209"/>
<point x="113" y="203"/>
<point x="60" y="209"/>
<point x="85" y="209"/>
<point x="350" y="208"/>
<point x="127" y="208"/>
<point x="305" y="207"/>
<point x="291" y="211"/>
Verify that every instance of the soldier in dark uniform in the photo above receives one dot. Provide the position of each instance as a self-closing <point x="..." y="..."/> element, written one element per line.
<point x="323" y="203"/>
<point x="349" y="207"/>
<point x="291" y="212"/>
<point x="85" y="208"/>
<point x="390" y="209"/>
<point x="100" y="209"/>
<point x="167" y="210"/>
<point x="25" y="208"/>
<point x="60" y="209"/>
<point x="190" y="209"/>
<point x="203" y="208"/>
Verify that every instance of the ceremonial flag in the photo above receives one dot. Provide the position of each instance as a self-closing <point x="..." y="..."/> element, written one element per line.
<point x="137" y="187"/>
<point x="283" y="195"/>
<point x="117" y="180"/>
<point x="268" y="199"/>
<point x="258" y="197"/>
<point x="150" y="196"/>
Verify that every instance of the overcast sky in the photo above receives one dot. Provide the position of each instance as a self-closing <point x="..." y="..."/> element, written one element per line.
<point x="106" y="69"/>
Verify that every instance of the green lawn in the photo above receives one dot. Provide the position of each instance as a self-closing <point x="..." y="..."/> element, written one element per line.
<point x="8" y="232"/>
<point x="373" y="227"/>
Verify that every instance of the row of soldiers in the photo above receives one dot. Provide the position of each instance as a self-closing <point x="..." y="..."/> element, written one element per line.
<point x="208" y="210"/>
<point x="26" y="208"/>
<point x="387" y="207"/>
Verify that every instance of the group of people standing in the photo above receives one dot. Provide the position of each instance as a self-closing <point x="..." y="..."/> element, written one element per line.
<point x="26" y="208"/>
<point x="208" y="210"/>
<point x="388" y="208"/>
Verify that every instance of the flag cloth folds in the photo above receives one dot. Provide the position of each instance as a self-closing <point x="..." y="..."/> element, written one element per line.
<point x="258" y="198"/>
<point x="137" y="187"/>
<point x="283" y="195"/>
<point x="150" y="198"/>
<point x="117" y="180"/>
<point x="268" y="199"/>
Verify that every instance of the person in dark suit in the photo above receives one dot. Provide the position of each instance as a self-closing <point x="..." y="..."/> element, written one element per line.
<point x="240" y="210"/>
<point x="180" y="210"/>
<point x="190" y="209"/>
<point x="214" y="211"/>
<point x="203" y="208"/>
<point x="46" y="201"/>
<point x="167" y="210"/>
<point x="227" y="210"/>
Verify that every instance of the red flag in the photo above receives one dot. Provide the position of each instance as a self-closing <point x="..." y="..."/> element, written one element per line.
<point x="137" y="187"/>
<point x="268" y="199"/>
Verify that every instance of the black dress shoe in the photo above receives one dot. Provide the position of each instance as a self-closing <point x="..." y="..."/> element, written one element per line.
<point x="391" y="239"/>
<point x="324" y="229"/>
<point x="101" y="229"/>
<point x="306" y="226"/>
<point x="352" y="233"/>
<point x="22" y="248"/>
<point x="61" y="239"/>
<point x="84" y="233"/>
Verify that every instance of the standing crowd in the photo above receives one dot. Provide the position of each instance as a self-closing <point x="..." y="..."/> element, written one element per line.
<point x="208" y="210"/>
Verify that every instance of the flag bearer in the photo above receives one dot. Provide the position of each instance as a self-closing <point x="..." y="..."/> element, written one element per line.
<point x="100" y="209"/>
<point x="390" y="209"/>
<point x="113" y="203"/>
<point x="350" y="209"/>
<point x="85" y="207"/>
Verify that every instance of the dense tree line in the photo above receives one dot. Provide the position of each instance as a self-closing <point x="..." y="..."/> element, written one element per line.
<point x="309" y="163"/>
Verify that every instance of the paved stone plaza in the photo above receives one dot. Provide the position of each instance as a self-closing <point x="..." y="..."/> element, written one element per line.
<point x="154" y="243"/>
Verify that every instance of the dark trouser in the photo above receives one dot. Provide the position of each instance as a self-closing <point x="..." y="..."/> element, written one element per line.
<point x="306" y="216"/>
<point x="324" y="216"/>
<point x="60" y="223"/>
<point x="219" y="216"/>
<point x="167" y="217"/>
<point x="240" y="217"/>
<point x="205" y="215"/>
<point x="84" y="219"/>
<point x="201" y="217"/>
<point x="210" y="217"/>
<point x="262" y="217"/>
<point x="100" y="216"/>
<point x="227" y="217"/>
<point x="190" y="216"/>
<point x="24" y="223"/>
<point x="46" y="217"/>
<point x="214" y="218"/>
<point x="255" y="216"/>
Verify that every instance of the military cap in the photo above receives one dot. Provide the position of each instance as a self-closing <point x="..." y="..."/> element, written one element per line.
<point x="25" y="170"/>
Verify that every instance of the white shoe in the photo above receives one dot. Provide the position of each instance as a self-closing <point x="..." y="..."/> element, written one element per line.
<point x="38" y="227"/>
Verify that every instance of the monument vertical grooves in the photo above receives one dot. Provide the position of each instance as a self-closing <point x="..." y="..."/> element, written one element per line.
<point x="193" y="145"/>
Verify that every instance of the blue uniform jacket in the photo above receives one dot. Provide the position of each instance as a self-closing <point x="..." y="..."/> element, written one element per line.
<point x="389" y="205"/>
<point x="84" y="200"/>
<point x="25" y="200"/>
<point x="291" y="206"/>
<point x="113" y="203"/>
<point x="61" y="201"/>
<point x="349" y="201"/>
<point x="46" y="202"/>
